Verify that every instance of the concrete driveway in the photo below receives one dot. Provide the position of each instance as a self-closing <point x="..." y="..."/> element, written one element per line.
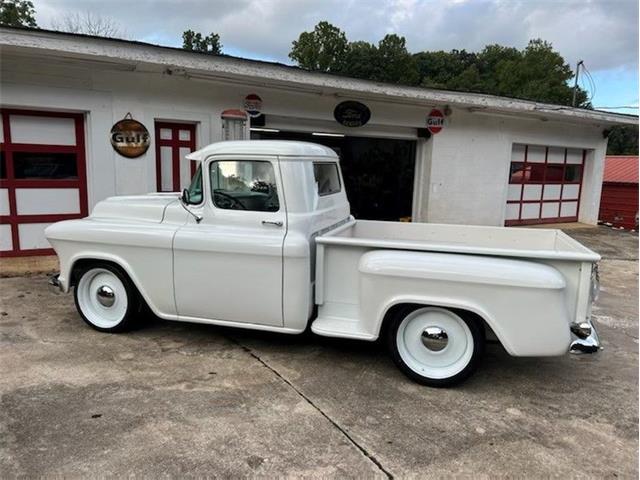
<point x="190" y="400"/>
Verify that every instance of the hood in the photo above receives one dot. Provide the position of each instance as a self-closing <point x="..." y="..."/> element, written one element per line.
<point x="146" y="208"/>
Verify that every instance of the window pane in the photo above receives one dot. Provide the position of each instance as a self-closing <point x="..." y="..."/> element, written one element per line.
<point x="195" y="189"/>
<point x="517" y="172"/>
<point x="3" y="166"/>
<point x="244" y="185"/>
<point x="535" y="173"/>
<point x="554" y="173"/>
<point x="327" y="178"/>
<point x="45" y="165"/>
<point x="572" y="173"/>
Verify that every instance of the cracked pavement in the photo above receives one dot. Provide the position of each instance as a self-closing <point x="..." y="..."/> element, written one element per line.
<point x="187" y="400"/>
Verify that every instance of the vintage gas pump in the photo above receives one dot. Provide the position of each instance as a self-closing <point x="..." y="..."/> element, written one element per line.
<point x="233" y="124"/>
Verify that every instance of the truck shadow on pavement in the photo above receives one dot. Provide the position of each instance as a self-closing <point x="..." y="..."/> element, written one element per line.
<point x="328" y="354"/>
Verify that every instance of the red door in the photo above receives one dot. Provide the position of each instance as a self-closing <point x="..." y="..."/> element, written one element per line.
<point x="173" y="142"/>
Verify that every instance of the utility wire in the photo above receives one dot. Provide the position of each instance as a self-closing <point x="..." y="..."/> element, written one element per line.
<point x="592" y="82"/>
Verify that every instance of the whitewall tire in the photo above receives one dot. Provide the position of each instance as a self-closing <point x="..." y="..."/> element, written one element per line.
<point x="436" y="346"/>
<point x="106" y="299"/>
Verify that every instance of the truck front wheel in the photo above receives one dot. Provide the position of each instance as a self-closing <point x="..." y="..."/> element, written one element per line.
<point x="435" y="346"/>
<point x="106" y="298"/>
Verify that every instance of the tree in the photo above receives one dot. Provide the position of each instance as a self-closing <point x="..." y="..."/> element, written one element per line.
<point x="540" y="74"/>
<point x="395" y="63"/>
<point x="89" y="23"/>
<point x="322" y="50"/>
<point x="536" y="73"/>
<point x="326" y="49"/>
<point x="445" y="69"/>
<point x="18" y="13"/>
<point x="195" y="42"/>
<point x="360" y="61"/>
<point x="623" y="140"/>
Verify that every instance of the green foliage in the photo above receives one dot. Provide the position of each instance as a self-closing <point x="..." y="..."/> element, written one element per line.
<point x="395" y="63"/>
<point x="18" y="13"/>
<point x="326" y="49"/>
<point x="361" y="59"/>
<point x="197" y="43"/>
<point x="536" y="73"/>
<point x="623" y="140"/>
<point x="322" y="50"/>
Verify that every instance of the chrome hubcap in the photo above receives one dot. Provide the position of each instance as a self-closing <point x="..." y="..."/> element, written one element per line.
<point x="106" y="296"/>
<point x="434" y="338"/>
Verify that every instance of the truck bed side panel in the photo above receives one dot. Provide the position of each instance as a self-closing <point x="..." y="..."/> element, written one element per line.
<point x="525" y="303"/>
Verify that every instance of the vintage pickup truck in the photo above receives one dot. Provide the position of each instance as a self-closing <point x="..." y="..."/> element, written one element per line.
<point x="263" y="239"/>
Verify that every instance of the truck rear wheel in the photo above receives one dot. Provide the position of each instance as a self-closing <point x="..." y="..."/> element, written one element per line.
<point x="106" y="298"/>
<point x="435" y="346"/>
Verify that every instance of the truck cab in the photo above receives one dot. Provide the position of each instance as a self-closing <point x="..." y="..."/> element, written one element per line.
<point x="245" y="253"/>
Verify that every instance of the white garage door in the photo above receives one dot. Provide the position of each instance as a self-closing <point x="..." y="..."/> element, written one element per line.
<point x="42" y="177"/>
<point x="544" y="184"/>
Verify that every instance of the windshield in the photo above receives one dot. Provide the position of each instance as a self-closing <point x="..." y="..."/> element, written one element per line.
<point x="195" y="189"/>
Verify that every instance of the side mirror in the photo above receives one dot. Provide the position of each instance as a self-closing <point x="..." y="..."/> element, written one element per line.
<point x="186" y="197"/>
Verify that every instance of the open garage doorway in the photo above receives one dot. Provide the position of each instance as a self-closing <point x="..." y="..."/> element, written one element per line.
<point x="378" y="172"/>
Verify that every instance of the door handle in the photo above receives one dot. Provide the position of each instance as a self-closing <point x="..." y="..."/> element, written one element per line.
<point x="267" y="222"/>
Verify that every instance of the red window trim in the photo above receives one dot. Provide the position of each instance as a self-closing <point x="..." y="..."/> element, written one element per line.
<point x="175" y="143"/>
<point x="11" y="183"/>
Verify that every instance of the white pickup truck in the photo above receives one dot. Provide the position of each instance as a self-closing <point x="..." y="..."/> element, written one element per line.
<point x="263" y="239"/>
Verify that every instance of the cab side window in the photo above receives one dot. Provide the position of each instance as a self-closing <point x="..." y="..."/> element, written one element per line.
<point x="244" y="185"/>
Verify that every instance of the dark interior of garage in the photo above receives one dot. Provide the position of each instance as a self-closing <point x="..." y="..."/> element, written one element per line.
<point x="378" y="172"/>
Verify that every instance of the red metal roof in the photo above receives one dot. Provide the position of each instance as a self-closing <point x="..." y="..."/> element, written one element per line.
<point x="621" y="169"/>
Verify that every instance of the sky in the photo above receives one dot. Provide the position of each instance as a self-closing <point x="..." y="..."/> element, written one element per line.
<point x="602" y="33"/>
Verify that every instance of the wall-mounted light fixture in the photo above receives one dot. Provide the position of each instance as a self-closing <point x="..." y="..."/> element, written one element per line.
<point x="265" y="130"/>
<point x="326" y="134"/>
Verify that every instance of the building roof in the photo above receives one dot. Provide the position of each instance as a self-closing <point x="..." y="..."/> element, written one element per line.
<point x="283" y="148"/>
<point x="139" y="56"/>
<point x="621" y="169"/>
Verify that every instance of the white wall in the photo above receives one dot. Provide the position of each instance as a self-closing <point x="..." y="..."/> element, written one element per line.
<point x="461" y="172"/>
<point x="470" y="165"/>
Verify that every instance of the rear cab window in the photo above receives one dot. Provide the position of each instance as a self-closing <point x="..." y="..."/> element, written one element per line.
<point x="327" y="178"/>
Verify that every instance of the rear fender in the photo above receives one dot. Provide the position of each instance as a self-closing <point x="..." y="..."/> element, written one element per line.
<point x="450" y="303"/>
<point x="523" y="302"/>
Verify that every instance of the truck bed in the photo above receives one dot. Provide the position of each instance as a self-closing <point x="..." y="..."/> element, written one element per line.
<point x="339" y="276"/>
<point x="477" y="240"/>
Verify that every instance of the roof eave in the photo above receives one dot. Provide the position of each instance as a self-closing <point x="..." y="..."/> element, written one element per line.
<point x="269" y="74"/>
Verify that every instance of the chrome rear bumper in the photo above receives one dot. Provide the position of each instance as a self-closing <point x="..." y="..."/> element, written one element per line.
<point x="585" y="338"/>
<point x="54" y="283"/>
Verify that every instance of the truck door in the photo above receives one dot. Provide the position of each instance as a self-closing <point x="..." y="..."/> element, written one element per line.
<point x="229" y="266"/>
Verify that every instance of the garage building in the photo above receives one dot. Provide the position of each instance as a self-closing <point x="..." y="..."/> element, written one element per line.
<point x="490" y="160"/>
<point x="619" y="201"/>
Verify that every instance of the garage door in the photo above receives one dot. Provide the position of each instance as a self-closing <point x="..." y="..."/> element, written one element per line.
<point x="42" y="177"/>
<point x="378" y="172"/>
<point x="544" y="184"/>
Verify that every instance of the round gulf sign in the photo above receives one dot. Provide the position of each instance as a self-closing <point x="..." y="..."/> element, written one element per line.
<point x="435" y="121"/>
<point x="129" y="137"/>
<point x="253" y="105"/>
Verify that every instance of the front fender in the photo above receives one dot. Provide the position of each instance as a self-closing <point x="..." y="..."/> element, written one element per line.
<point x="523" y="302"/>
<point x="162" y="308"/>
<point x="143" y="251"/>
